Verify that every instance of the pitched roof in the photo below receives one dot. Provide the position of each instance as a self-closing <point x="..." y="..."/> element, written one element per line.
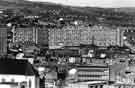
<point x="16" y="67"/>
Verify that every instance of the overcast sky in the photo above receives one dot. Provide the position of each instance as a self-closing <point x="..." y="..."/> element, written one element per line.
<point x="98" y="3"/>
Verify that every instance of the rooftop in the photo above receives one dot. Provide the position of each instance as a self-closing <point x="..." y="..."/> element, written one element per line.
<point x="16" y="67"/>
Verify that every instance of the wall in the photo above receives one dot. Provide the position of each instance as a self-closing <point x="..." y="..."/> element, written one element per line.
<point x="19" y="79"/>
<point x="77" y="85"/>
<point x="42" y="36"/>
<point x="94" y="73"/>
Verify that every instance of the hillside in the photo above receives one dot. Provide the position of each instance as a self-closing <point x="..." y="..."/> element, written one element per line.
<point x="51" y="12"/>
<point x="128" y="10"/>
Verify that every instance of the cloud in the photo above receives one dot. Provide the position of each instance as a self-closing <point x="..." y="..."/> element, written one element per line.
<point x="95" y="3"/>
<point x="124" y="3"/>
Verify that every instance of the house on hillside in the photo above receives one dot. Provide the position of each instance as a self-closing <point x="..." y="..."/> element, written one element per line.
<point x="17" y="74"/>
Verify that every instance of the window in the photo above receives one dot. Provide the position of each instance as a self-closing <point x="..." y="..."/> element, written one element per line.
<point x="96" y="86"/>
<point x="12" y="80"/>
<point x="3" y="80"/>
<point x="23" y="86"/>
<point x="91" y="86"/>
<point x="122" y="61"/>
<point x="101" y="86"/>
<point x="29" y="83"/>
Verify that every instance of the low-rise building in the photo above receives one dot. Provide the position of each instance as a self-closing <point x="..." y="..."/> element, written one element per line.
<point x="17" y="73"/>
<point x="93" y="73"/>
<point x="67" y="56"/>
<point x="88" y="84"/>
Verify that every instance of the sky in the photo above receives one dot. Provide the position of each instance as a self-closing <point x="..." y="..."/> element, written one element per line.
<point x="94" y="3"/>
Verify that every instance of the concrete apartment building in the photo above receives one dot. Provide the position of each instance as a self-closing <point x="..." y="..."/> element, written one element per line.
<point x="101" y="36"/>
<point x="76" y="35"/>
<point x="3" y="41"/>
<point x="27" y="36"/>
<point x="31" y="35"/>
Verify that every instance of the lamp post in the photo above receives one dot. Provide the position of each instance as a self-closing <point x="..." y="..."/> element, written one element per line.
<point x="61" y="19"/>
<point x="9" y="25"/>
<point x="72" y="71"/>
<point x="75" y="22"/>
<point x="124" y="37"/>
<point x="103" y="55"/>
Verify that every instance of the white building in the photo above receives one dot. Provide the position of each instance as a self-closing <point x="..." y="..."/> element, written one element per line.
<point x="76" y="35"/>
<point x="17" y="74"/>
